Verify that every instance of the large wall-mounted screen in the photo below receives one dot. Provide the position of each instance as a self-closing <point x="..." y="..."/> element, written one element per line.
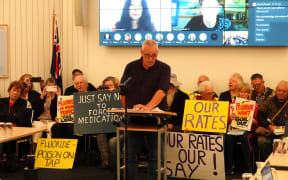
<point x="194" y="22"/>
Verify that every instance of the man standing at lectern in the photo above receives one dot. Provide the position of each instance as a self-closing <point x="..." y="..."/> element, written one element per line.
<point x="147" y="82"/>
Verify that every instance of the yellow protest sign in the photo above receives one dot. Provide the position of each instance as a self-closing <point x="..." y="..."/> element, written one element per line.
<point x="55" y="153"/>
<point x="205" y="116"/>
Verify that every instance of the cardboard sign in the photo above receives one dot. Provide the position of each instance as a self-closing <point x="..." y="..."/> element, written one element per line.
<point x="205" y="116"/>
<point x="65" y="109"/>
<point x="90" y="112"/>
<point x="55" y="153"/>
<point x="244" y="110"/>
<point x="197" y="156"/>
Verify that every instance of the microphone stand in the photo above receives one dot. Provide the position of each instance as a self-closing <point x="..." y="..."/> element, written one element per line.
<point x="125" y="86"/>
<point x="126" y="131"/>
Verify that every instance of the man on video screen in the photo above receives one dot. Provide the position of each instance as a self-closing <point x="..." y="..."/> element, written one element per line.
<point x="209" y="19"/>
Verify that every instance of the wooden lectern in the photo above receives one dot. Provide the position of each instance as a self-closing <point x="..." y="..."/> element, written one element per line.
<point x="161" y="128"/>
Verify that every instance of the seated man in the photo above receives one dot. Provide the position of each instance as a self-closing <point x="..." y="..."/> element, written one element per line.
<point x="66" y="130"/>
<point x="260" y="92"/>
<point x="201" y="79"/>
<point x="205" y="92"/>
<point x="269" y="108"/>
<point x="176" y="103"/>
<point x="209" y="20"/>
<point x="72" y="89"/>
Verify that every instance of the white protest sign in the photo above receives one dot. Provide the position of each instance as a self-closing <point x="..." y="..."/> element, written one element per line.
<point x="244" y="111"/>
<point x="195" y="156"/>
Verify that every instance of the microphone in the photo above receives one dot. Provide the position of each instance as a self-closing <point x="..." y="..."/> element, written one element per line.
<point x="126" y="82"/>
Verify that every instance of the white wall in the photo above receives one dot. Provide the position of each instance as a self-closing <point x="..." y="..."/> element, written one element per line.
<point x="30" y="37"/>
<point x="30" y="28"/>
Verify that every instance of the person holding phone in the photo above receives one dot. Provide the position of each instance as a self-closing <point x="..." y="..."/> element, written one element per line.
<point x="47" y="108"/>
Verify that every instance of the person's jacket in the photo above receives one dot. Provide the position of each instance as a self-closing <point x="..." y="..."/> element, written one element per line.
<point x="18" y="112"/>
<point x="71" y="89"/>
<point x="268" y="109"/>
<point x="177" y="106"/>
<point x="34" y="98"/>
<point x="225" y="96"/>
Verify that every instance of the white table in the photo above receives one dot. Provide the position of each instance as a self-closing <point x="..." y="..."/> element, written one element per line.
<point x="20" y="132"/>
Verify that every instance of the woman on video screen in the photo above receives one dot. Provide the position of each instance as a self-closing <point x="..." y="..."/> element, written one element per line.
<point x="135" y="17"/>
<point x="209" y="20"/>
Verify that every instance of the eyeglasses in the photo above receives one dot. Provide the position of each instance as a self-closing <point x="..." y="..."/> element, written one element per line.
<point x="281" y="91"/>
<point x="208" y="93"/>
<point x="257" y="85"/>
<point x="153" y="56"/>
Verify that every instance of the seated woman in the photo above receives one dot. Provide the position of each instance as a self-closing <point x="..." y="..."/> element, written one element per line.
<point x="29" y="94"/>
<point x="234" y="81"/>
<point x="47" y="108"/>
<point x="13" y="109"/>
<point x="135" y="17"/>
<point x="110" y="83"/>
<point x="245" y="92"/>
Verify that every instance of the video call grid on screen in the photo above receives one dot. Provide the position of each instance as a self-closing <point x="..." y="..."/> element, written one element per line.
<point x="181" y="22"/>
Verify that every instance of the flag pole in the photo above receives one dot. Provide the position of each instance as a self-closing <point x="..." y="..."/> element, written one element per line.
<point x="53" y="30"/>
